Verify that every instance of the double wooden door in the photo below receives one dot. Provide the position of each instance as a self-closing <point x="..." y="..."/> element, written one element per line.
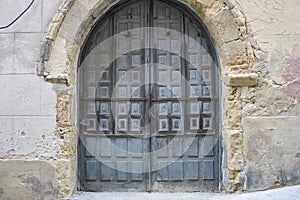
<point x="148" y="120"/>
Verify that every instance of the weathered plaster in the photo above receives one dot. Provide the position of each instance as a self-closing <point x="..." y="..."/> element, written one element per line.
<point x="272" y="142"/>
<point x="271" y="148"/>
<point x="292" y="73"/>
<point x="28" y="180"/>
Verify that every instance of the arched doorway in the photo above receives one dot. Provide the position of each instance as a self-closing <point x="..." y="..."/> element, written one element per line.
<point x="148" y="101"/>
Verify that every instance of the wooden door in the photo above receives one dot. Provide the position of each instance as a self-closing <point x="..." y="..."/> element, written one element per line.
<point x="150" y="118"/>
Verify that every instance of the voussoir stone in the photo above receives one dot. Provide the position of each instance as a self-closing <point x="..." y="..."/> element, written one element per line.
<point x="241" y="79"/>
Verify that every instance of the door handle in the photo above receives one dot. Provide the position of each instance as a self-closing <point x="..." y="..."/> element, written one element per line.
<point x="151" y="115"/>
<point x="84" y="122"/>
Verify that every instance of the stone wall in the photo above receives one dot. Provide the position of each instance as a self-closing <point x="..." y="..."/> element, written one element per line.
<point x="271" y="112"/>
<point x="30" y="152"/>
<point x="258" y="43"/>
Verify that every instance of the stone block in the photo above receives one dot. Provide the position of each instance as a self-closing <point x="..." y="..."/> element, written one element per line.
<point x="21" y="95"/>
<point x="35" y="137"/>
<point x="234" y="53"/>
<point x="101" y="7"/>
<point x="91" y="4"/>
<point x="233" y="108"/>
<point x="6" y="133"/>
<point x="19" y="51"/>
<point x="241" y="79"/>
<point x="234" y="149"/>
<point x="48" y="99"/>
<point x="63" y="109"/>
<point x="271" y="149"/>
<point x="58" y="58"/>
<point x="7" y="53"/>
<point x="206" y="3"/>
<point x="27" y="52"/>
<point x="28" y="136"/>
<point x="58" y="78"/>
<point x="73" y="21"/>
<point x="66" y="176"/>
<point x="27" y="180"/>
<point x="58" y="19"/>
<point x="29" y="22"/>
<point x="224" y="27"/>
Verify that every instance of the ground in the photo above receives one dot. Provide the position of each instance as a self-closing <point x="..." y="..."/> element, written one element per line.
<point x="286" y="193"/>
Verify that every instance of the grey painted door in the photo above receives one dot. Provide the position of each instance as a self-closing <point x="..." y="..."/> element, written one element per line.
<point x="148" y="121"/>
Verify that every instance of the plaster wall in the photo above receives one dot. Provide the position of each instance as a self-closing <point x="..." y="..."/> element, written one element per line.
<point x="271" y="113"/>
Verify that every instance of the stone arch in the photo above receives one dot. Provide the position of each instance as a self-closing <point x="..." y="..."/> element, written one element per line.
<point x="227" y="25"/>
<point x="74" y="19"/>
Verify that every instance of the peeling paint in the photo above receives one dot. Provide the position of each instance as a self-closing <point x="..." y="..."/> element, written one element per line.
<point x="292" y="73"/>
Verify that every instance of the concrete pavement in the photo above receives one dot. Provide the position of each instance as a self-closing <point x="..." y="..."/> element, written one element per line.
<point x="285" y="193"/>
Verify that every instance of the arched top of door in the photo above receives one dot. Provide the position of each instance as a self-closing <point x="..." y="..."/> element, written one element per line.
<point x="130" y="10"/>
<point x="75" y="19"/>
